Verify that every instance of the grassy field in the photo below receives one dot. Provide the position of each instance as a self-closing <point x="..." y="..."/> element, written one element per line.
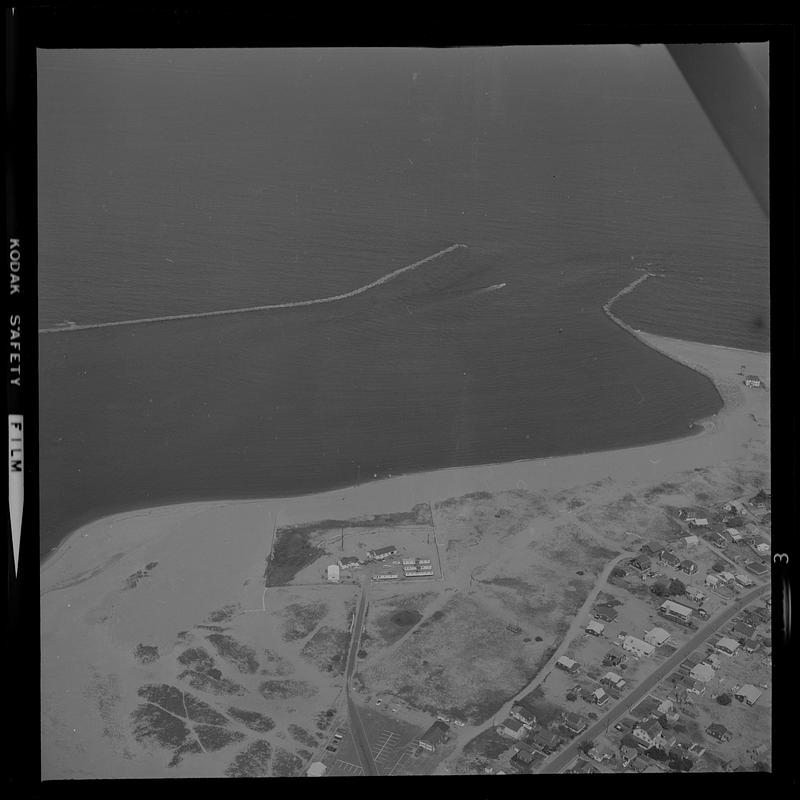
<point x="461" y="660"/>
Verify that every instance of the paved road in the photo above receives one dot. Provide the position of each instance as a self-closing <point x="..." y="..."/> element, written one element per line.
<point x="356" y="726"/>
<point x="561" y="759"/>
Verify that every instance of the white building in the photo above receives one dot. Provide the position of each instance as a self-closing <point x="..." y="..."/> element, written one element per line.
<point x="567" y="664"/>
<point x="712" y="580"/>
<point x="657" y="637"/>
<point x="675" y="611"/>
<point x="637" y="646"/>
<point x="333" y="573"/>
<point x="727" y="645"/>
<point x="316" y="770"/>
<point x="595" y="628"/>
<point x="743" y="580"/>
<point x="691" y="541"/>
<point x="747" y="694"/>
<point x="735" y="535"/>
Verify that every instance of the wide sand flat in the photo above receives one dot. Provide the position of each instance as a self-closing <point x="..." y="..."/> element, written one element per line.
<point x="212" y="555"/>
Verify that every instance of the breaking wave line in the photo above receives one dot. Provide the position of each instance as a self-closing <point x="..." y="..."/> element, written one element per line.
<point x="296" y="304"/>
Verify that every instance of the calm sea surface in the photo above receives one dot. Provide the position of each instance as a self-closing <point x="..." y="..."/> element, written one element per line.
<point x="175" y="182"/>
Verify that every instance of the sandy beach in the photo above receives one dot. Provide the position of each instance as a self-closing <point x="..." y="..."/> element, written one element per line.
<point x="101" y="596"/>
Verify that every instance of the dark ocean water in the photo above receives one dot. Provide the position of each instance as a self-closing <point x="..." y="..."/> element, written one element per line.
<point x="174" y="182"/>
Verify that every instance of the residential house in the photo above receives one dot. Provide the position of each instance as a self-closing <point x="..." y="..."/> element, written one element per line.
<point x="648" y="732"/>
<point x="751" y="645"/>
<point x="747" y="694"/>
<point x="545" y="740"/>
<point x="637" y="647"/>
<point x="438" y="733"/>
<point x="702" y="672"/>
<point x="513" y="728"/>
<point x="727" y="645"/>
<point x="757" y="567"/>
<point x="652" y="548"/>
<point x="612" y="679"/>
<point x="718" y="540"/>
<point x="574" y="723"/>
<point x="349" y="562"/>
<point x="641" y="562"/>
<point x="712" y="581"/>
<point x="738" y="506"/>
<point x="567" y="664"/>
<point x="670" y="559"/>
<point x="523" y="714"/>
<point x="601" y="752"/>
<point x="736" y="536"/>
<point x="696" y="522"/>
<point x="657" y="637"/>
<point x="695" y="595"/>
<point x="726" y="577"/>
<point x="691" y="685"/>
<point x="743" y="580"/>
<point x="741" y="630"/>
<point x="605" y="612"/>
<point x="688" y="566"/>
<point x="599" y="697"/>
<point x="595" y="628"/>
<point x="719" y="732"/>
<point x="627" y="754"/>
<point x="761" y="500"/>
<point x="525" y="758"/>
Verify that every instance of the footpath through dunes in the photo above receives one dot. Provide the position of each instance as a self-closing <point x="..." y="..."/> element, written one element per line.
<point x="274" y="306"/>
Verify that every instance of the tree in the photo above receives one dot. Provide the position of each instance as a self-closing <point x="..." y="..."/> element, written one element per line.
<point x="724" y="699"/>
<point x="677" y="587"/>
<point x="661" y="589"/>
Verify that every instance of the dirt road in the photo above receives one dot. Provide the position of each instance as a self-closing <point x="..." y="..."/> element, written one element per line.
<point x="470" y="732"/>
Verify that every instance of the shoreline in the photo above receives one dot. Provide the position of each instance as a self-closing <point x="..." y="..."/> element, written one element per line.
<point x="403" y="491"/>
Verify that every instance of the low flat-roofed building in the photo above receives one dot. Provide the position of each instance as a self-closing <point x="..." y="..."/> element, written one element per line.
<point x="316" y="770"/>
<point x="382" y="552"/>
<point x="333" y="573"/>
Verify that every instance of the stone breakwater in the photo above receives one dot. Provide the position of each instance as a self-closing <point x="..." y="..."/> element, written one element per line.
<point x="729" y="397"/>
<point x="296" y="304"/>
